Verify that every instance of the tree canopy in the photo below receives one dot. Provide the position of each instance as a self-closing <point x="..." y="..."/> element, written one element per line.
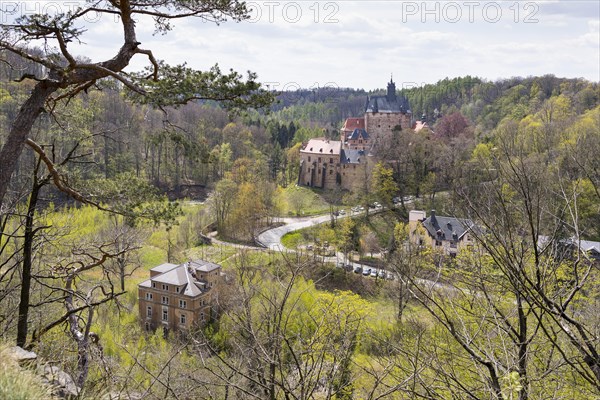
<point x="65" y="75"/>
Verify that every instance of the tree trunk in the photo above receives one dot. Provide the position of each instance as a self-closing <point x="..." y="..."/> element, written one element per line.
<point x="28" y="114"/>
<point x="27" y="261"/>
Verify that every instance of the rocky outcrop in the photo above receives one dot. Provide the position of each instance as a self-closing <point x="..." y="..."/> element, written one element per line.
<point x="61" y="385"/>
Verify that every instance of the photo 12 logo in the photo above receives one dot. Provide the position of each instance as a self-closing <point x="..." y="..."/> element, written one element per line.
<point x="293" y="12"/>
<point x="11" y="10"/>
<point x="293" y="92"/>
<point x="470" y="11"/>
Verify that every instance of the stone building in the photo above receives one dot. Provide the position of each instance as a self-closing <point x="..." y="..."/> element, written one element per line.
<point x="326" y="164"/>
<point x="383" y="114"/>
<point x="179" y="297"/>
<point x="347" y="163"/>
<point x="445" y="234"/>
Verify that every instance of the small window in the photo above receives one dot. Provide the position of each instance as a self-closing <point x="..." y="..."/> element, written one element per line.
<point x="331" y="161"/>
<point x="308" y="158"/>
<point x="165" y="315"/>
<point x="154" y="285"/>
<point x="182" y="304"/>
<point x="165" y="300"/>
<point x="148" y="296"/>
<point x="182" y="319"/>
<point x="177" y="289"/>
<point x="438" y="243"/>
<point x="165" y="287"/>
<point x="330" y="172"/>
<point x="149" y="311"/>
<point x="201" y="316"/>
<point x="319" y="159"/>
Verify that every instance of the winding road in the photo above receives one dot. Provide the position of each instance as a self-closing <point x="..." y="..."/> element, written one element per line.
<point x="271" y="238"/>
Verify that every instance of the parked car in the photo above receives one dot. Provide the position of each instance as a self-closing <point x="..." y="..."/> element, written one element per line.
<point x="367" y="271"/>
<point x="390" y="276"/>
<point x="358" y="269"/>
<point x="348" y="267"/>
<point x="374" y="272"/>
<point x="342" y="212"/>
<point x="381" y="274"/>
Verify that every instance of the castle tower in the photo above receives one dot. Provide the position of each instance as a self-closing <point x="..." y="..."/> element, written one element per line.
<point x="391" y="91"/>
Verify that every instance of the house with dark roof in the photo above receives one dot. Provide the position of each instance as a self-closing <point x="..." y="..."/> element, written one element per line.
<point x="179" y="297"/>
<point x="446" y="234"/>
<point x="571" y="248"/>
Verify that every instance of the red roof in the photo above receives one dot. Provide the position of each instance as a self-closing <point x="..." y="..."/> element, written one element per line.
<point x="353" y="123"/>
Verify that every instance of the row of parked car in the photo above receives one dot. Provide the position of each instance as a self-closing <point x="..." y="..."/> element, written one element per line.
<point x="367" y="271"/>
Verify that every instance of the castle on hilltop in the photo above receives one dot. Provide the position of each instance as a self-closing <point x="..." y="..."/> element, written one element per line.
<point x="346" y="163"/>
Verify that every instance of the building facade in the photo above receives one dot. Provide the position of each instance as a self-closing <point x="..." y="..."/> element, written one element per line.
<point x="445" y="234"/>
<point x="179" y="297"/>
<point x="326" y="164"/>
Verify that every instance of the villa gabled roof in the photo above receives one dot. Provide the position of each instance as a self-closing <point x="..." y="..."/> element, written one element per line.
<point x="446" y="228"/>
<point x="162" y="268"/>
<point x="185" y="275"/>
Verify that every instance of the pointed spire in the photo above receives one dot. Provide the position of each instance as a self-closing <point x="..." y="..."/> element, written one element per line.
<point x="391" y="91"/>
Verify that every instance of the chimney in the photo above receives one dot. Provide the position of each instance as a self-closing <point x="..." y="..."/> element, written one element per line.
<point x="433" y="219"/>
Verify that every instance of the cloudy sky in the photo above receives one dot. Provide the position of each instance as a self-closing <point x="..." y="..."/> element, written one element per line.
<point x="359" y="44"/>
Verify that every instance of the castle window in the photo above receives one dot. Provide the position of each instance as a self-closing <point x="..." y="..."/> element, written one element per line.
<point x="165" y="300"/>
<point x="154" y="285"/>
<point x="308" y="158"/>
<point x="182" y="304"/>
<point x="331" y="161"/>
<point x="165" y="315"/>
<point x="182" y="319"/>
<point x="149" y="311"/>
<point x="319" y="159"/>
<point x="165" y="287"/>
<point x="148" y="296"/>
<point x="177" y="289"/>
<point x="330" y="171"/>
